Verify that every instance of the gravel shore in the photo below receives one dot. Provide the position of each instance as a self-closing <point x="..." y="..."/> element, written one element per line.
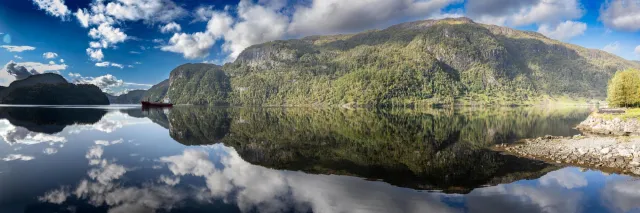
<point x="615" y="154"/>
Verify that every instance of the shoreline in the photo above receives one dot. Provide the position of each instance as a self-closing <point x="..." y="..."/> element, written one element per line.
<point x="611" y="154"/>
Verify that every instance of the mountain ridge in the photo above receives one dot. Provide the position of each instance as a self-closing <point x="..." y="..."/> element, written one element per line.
<point x="452" y="60"/>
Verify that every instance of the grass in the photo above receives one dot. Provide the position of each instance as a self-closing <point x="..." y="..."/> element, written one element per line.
<point x="633" y="113"/>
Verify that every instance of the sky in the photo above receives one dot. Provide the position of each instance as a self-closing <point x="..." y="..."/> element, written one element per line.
<point x="121" y="45"/>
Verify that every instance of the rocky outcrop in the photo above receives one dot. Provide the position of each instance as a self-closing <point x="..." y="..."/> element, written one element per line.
<point x="608" y="153"/>
<point x="610" y="125"/>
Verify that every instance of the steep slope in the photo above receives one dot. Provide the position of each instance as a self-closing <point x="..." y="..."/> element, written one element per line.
<point x="157" y="92"/>
<point x="423" y="62"/>
<point x="131" y="97"/>
<point x="51" y="89"/>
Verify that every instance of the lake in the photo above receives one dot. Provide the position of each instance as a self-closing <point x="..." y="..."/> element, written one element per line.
<point x="199" y="159"/>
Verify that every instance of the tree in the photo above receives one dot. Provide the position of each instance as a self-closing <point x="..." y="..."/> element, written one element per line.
<point x="624" y="89"/>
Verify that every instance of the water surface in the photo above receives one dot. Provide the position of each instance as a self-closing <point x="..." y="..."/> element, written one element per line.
<point x="197" y="159"/>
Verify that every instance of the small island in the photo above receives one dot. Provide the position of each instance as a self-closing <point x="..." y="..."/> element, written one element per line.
<point x="611" y="139"/>
<point x="51" y="89"/>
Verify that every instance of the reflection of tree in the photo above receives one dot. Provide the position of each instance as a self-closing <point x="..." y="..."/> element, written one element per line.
<point x="421" y="149"/>
<point x="50" y="120"/>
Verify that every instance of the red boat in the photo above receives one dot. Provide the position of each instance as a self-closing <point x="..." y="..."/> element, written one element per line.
<point x="155" y="104"/>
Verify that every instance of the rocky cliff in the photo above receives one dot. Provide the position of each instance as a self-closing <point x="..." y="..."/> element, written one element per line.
<point x="423" y="62"/>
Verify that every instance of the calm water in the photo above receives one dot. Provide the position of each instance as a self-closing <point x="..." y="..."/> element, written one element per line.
<point x="193" y="159"/>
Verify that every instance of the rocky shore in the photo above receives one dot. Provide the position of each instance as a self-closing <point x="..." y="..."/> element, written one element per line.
<point x="610" y="125"/>
<point x="615" y="154"/>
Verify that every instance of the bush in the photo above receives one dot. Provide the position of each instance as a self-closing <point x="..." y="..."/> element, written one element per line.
<point x="624" y="89"/>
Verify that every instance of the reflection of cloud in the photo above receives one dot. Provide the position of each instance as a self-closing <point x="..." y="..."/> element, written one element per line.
<point x="254" y="187"/>
<point x="546" y="197"/>
<point x="564" y="178"/>
<point x="20" y="135"/>
<point x="109" y="123"/>
<point x="169" y="181"/>
<point x="57" y="196"/>
<point x="50" y="151"/>
<point x="107" y="172"/>
<point x="622" y="196"/>
<point x="94" y="152"/>
<point x="13" y="157"/>
<point x="107" y="143"/>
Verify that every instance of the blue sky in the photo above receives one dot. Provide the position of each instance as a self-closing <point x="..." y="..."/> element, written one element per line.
<point x="128" y="44"/>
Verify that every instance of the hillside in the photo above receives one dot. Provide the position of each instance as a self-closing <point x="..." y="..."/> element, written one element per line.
<point x="423" y="62"/>
<point x="131" y="97"/>
<point x="157" y="92"/>
<point x="51" y="89"/>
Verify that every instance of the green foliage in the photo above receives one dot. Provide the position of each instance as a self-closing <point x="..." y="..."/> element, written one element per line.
<point x="426" y="62"/>
<point x="157" y="92"/>
<point x="624" y="89"/>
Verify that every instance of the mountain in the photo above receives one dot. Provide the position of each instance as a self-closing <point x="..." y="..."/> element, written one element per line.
<point x="131" y="97"/>
<point x="157" y="92"/>
<point x="416" y="63"/>
<point x="51" y="89"/>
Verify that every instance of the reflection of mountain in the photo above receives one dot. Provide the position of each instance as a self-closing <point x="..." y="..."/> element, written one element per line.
<point x="425" y="150"/>
<point x="50" y="120"/>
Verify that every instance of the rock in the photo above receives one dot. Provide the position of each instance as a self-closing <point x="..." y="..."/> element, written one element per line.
<point x="605" y="150"/>
<point x="635" y="170"/>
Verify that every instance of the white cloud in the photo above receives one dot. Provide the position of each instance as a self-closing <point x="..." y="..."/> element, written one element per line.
<point x="74" y="75"/>
<point x="191" y="46"/>
<point x="135" y="52"/>
<point x="268" y="20"/>
<point x="563" y="31"/>
<point x="95" y="54"/>
<point x="49" y="55"/>
<point x="621" y="14"/>
<point x="203" y="13"/>
<point x="55" y="8"/>
<point x="567" y="180"/>
<point x="146" y="10"/>
<point x="57" y="196"/>
<point x="107" y="34"/>
<point x="98" y="44"/>
<point x="17" y="57"/>
<point x="612" y="47"/>
<point x="61" y="60"/>
<point x="109" y="83"/>
<point x="42" y="68"/>
<point x="19" y="135"/>
<point x="19" y="70"/>
<point x="13" y="157"/>
<point x="637" y="50"/>
<point x="107" y="64"/>
<point x="17" y="48"/>
<point x="83" y="17"/>
<point x="107" y="143"/>
<point x="550" y="13"/>
<point x="169" y="181"/>
<point x="171" y="27"/>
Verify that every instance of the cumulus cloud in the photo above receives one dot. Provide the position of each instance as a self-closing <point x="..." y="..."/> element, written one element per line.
<point x="57" y="196"/>
<point x="171" y="27"/>
<point x="612" y="47"/>
<point x="17" y="48"/>
<point x="563" y="31"/>
<point x="19" y="135"/>
<point x="95" y="54"/>
<point x="524" y="12"/>
<point x="55" y="8"/>
<point x="49" y="55"/>
<point x="17" y="57"/>
<point x="13" y="157"/>
<point x="19" y="72"/>
<point x="107" y="64"/>
<point x="637" y="50"/>
<point x="621" y="14"/>
<point x="268" y="20"/>
<point x="108" y="83"/>
<point x="107" y="34"/>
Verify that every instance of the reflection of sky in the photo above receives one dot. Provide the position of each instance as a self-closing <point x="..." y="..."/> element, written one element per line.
<point x="126" y="171"/>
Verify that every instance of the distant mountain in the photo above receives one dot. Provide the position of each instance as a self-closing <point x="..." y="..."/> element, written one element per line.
<point x="131" y="97"/>
<point x="415" y="63"/>
<point x="157" y="92"/>
<point x="51" y="89"/>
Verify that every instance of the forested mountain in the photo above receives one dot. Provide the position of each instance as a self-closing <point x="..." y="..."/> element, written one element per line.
<point x="423" y="62"/>
<point x="131" y="97"/>
<point x="157" y="92"/>
<point x="51" y="89"/>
